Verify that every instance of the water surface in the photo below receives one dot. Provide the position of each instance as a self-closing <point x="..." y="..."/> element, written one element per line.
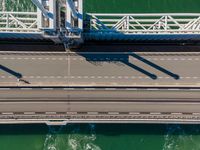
<point x="100" y="137"/>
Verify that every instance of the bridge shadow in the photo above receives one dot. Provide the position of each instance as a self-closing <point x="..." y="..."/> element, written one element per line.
<point x="162" y="69"/>
<point x="124" y="59"/>
<point x="11" y="72"/>
<point x="19" y="76"/>
<point x="102" y="129"/>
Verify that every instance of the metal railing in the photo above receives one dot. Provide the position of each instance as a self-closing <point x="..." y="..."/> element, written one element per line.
<point x="156" y="118"/>
<point x="18" y="22"/>
<point x="177" y="23"/>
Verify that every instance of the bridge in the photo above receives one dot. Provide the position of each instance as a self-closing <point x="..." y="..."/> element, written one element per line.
<point x="143" y="26"/>
<point x="122" y="87"/>
<point x="47" y="23"/>
<point x="59" y="106"/>
<point x="66" y="22"/>
<point x="95" y="86"/>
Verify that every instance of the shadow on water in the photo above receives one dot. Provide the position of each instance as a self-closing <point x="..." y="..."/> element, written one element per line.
<point x="124" y="59"/>
<point x="101" y="129"/>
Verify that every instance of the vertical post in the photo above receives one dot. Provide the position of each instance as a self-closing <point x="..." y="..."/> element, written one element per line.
<point x="128" y="24"/>
<point x="68" y="23"/>
<point x="3" y="5"/>
<point x="52" y="10"/>
<point x="166" y="22"/>
<point x="7" y="20"/>
<point x="39" y="17"/>
<point x="80" y="14"/>
<point x="74" y="22"/>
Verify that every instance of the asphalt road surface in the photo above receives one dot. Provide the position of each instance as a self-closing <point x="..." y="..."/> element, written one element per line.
<point x="91" y="100"/>
<point x="100" y="69"/>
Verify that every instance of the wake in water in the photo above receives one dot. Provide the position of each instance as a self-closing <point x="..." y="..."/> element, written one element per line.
<point x="176" y="138"/>
<point x="71" y="137"/>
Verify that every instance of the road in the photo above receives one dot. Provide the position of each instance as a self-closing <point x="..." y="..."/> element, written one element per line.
<point x="100" y="100"/>
<point x="101" y="69"/>
<point x="61" y="106"/>
<point x="151" y="87"/>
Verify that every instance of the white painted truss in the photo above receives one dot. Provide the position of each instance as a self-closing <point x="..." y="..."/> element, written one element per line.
<point x="177" y="23"/>
<point x="18" y="22"/>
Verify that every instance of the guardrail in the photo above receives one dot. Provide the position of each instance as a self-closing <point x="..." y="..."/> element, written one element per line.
<point x="18" y="22"/>
<point x="59" y="119"/>
<point x="177" y="23"/>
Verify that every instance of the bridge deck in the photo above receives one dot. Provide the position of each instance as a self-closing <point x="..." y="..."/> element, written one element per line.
<point x="84" y="87"/>
<point x="101" y="69"/>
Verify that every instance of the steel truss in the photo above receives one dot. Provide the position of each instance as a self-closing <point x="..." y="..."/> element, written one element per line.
<point x="177" y="23"/>
<point x="18" y="22"/>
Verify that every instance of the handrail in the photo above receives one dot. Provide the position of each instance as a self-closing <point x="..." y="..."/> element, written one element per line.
<point x="18" y="22"/>
<point x="155" y="23"/>
<point x="20" y="13"/>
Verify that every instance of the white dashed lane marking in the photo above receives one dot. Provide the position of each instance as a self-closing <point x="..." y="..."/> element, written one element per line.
<point x="93" y="77"/>
<point x="98" y="59"/>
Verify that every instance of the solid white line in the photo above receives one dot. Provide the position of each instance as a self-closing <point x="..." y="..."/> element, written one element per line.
<point x="88" y="89"/>
<point x="7" y="113"/>
<point x="5" y="88"/>
<point x="174" y="89"/>
<point x="134" y="113"/>
<point x="47" y="88"/>
<point x="155" y="113"/>
<point x="50" y="113"/>
<point x="110" y="89"/>
<point x="26" y="88"/>
<point x="152" y="89"/>
<point x="113" y="113"/>
<point x="29" y="113"/>
<point x="92" y="113"/>
<point x="176" y="113"/>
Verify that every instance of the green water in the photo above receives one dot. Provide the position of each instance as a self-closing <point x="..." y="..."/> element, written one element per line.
<point x="100" y="137"/>
<point x="118" y="6"/>
<point x="142" y="6"/>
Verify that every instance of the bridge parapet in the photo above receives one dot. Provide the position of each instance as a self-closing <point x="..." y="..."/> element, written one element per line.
<point x="60" y="21"/>
<point x="175" y="23"/>
<point x="25" y="22"/>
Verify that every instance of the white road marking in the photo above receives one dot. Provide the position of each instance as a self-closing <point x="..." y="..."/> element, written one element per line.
<point x="97" y="77"/>
<point x="47" y="88"/>
<point x="98" y="59"/>
<point x="25" y="88"/>
<point x="5" y="88"/>
<point x="29" y="113"/>
<point x="50" y="113"/>
<point x="7" y="113"/>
